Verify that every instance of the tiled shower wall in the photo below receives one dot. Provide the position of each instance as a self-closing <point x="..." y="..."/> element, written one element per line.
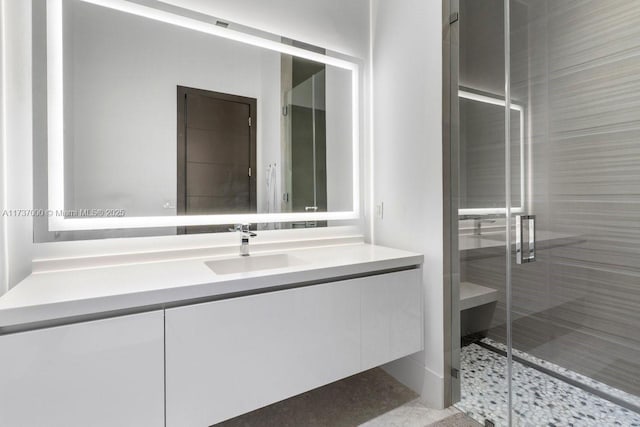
<point x="579" y="75"/>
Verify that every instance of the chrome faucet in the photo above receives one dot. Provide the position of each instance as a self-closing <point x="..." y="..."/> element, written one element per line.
<point x="477" y="222"/>
<point x="246" y="234"/>
<point x="477" y="225"/>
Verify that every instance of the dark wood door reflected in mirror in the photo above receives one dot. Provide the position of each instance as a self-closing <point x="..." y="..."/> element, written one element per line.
<point x="216" y="155"/>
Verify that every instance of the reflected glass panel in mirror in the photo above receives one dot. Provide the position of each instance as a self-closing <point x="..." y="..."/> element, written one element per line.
<point x="482" y="151"/>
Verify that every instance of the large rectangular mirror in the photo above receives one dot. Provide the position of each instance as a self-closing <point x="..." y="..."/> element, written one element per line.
<point x="157" y="118"/>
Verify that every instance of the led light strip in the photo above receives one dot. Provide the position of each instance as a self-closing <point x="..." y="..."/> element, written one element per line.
<point x="370" y="100"/>
<point x="487" y="99"/>
<point x="55" y="109"/>
<point x="227" y="33"/>
<point x="5" y="149"/>
<point x="56" y="124"/>
<point x="192" y="220"/>
<point x="355" y="125"/>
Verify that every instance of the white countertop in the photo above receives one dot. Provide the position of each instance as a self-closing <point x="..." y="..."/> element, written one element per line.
<point x="51" y="296"/>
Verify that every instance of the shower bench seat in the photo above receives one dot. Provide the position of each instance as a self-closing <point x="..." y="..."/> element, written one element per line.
<point x="474" y="295"/>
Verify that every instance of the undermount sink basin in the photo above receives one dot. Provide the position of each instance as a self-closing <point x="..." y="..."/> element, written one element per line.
<point x="246" y="264"/>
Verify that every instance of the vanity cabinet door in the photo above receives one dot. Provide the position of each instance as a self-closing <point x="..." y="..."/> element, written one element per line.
<point x="229" y="357"/>
<point x="392" y="320"/>
<point x="100" y="373"/>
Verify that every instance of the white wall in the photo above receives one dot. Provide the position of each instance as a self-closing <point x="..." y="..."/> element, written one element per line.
<point x="339" y="140"/>
<point x="407" y="49"/>
<point x="16" y="26"/>
<point x="269" y="151"/>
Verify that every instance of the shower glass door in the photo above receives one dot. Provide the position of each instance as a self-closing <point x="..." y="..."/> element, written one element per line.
<point x="574" y="66"/>
<point x="545" y="161"/>
<point x="480" y="197"/>
<point x="305" y="144"/>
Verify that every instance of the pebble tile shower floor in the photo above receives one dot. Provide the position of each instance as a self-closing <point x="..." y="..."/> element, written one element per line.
<point x="539" y="399"/>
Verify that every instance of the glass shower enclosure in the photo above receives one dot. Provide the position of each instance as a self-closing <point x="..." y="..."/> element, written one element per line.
<point x="305" y="142"/>
<point x="544" y="177"/>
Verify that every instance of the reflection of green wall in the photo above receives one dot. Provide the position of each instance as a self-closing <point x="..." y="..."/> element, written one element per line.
<point x="302" y="159"/>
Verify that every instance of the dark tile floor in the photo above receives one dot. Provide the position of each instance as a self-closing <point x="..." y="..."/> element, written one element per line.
<point x="370" y="399"/>
<point x="346" y="403"/>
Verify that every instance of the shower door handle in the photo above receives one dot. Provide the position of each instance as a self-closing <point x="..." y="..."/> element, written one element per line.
<point x="525" y="248"/>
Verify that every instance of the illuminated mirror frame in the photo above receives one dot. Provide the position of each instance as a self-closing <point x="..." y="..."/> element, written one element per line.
<point x="55" y="115"/>
<point x="515" y="107"/>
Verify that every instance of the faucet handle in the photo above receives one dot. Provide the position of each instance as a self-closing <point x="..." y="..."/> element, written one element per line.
<point x="243" y="228"/>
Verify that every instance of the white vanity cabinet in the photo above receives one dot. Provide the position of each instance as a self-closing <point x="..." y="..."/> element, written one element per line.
<point x="391" y="312"/>
<point x="99" y="373"/>
<point x="229" y="357"/>
<point x="202" y="353"/>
